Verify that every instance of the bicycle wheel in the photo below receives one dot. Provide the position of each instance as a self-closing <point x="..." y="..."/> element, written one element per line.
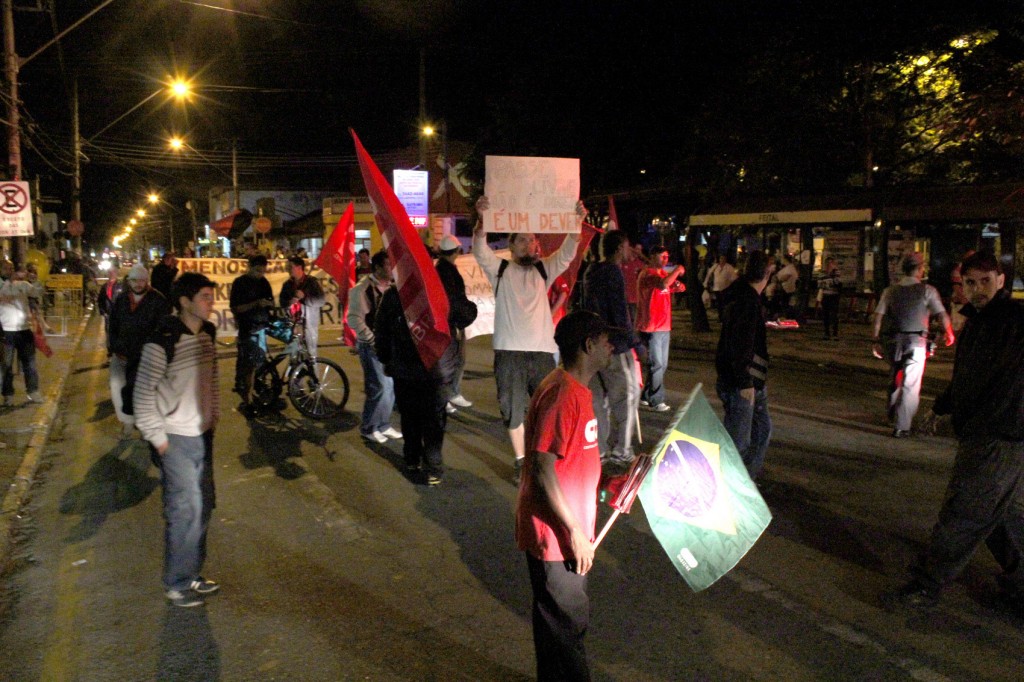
<point x="319" y="389"/>
<point x="266" y="386"/>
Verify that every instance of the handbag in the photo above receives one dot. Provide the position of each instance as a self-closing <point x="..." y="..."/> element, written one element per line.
<point x="40" y="339"/>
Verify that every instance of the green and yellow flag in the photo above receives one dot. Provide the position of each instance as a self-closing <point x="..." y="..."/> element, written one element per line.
<point x="700" y="502"/>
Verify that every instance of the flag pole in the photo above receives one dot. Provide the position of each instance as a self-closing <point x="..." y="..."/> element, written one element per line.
<point x="607" y="527"/>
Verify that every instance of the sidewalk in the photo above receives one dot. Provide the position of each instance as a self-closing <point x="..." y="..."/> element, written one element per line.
<point x="25" y="428"/>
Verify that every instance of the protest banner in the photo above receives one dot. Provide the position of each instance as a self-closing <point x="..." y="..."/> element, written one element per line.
<point x="531" y="194"/>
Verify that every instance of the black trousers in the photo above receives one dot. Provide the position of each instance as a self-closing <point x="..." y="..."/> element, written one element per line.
<point x="984" y="503"/>
<point x="561" y="614"/>
<point x="421" y="404"/>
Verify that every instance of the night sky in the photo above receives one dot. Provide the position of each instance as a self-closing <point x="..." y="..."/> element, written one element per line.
<point x="608" y="82"/>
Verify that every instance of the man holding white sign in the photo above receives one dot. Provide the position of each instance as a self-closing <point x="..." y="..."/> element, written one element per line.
<point x="534" y="195"/>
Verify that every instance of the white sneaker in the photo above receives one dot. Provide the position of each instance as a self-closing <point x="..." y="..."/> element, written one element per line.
<point x="644" y="403"/>
<point x="460" y="401"/>
<point x="391" y="432"/>
<point x="376" y="437"/>
<point x="450" y="409"/>
<point x="660" y="407"/>
<point x="35" y="397"/>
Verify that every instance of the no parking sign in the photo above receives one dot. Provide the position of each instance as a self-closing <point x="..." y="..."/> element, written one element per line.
<point x="15" y="209"/>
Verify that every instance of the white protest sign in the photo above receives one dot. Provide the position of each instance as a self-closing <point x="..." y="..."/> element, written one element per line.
<point x="15" y="209"/>
<point x="531" y="194"/>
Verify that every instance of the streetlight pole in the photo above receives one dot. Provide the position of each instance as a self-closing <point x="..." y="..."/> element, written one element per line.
<point x="76" y="186"/>
<point x="13" y="122"/>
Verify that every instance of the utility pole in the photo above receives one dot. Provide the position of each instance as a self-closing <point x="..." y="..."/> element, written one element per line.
<point x="18" y="244"/>
<point x="76" y="186"/>
<point x="234" y="171"/>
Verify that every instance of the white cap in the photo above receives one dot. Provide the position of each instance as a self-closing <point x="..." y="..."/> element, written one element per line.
<point x="450" y="243"/>
<point x="139" y="272"/>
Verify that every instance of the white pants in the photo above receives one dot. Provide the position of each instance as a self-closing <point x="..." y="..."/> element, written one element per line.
<point x="118" y="378"/>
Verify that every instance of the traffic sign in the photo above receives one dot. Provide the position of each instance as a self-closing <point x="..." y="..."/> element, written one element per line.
<point x="15" y="209"/>
<point x="75" y="228"/>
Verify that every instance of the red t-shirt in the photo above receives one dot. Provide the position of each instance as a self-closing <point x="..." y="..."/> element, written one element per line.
<point x="654" y="311"/>
<point x="558" y="287"/>
<point x="560" y="421"/>
<point x="629" y="272"/>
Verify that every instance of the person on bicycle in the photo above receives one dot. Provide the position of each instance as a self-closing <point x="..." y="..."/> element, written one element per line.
<point x="250" y="301"/>
<point x="304" y="293"/>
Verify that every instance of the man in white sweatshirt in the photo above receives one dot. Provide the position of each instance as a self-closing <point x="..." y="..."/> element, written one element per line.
<point x="18" y="337"/>
<point x="524" y="336"/>
<point x="177" y="405"/>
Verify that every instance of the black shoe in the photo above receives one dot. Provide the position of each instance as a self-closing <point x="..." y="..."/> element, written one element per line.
<point x="913" y="595"/>
<point x="517" y="472"/>
<point x="899" y="433"/>
<point x="248" y="410"/>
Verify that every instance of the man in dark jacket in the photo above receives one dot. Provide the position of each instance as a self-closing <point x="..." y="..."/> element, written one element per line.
<point x="616" y="388"/>
<point x="985" y="497"/>
<point x="133" y="315"/>
<point x="421" y="394"/>
<point x="251" y="299"/>
<point x="164" y="273"/>
<point x="742" y="364"/>
<point x="461" y="313"/>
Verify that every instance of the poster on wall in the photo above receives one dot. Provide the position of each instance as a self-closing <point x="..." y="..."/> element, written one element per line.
<point x="844" y="246"/>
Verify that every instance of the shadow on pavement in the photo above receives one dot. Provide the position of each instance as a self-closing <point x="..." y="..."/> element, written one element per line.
<point x="275" y="439"/>
<point x="104" y="410"/>
<point x="188" y="650"/>
<point x="112" y="484"/>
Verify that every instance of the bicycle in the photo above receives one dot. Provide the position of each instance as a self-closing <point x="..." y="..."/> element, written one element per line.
<point x="317" y="387"/>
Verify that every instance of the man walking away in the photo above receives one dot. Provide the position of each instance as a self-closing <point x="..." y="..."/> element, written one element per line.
<point x="556" y="510"/>
<point x="251" y="299"/>
<point x="164" y="273"/>
<point x="304" y="293"/>
<point x="133" y="315"/>
<point x="985" y="497"/>
<point x="16" y="319"/>
<point x="654" y="323"/>
<point x="742" y="364"/>
<point x="907" y="308"/>
<point x="177" y="405"/>
<point x="363" y="306"/>
<point x="461" y="314"/>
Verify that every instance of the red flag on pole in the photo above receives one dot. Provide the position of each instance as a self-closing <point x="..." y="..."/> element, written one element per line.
<point x="613" y="216"/>
<point x="549" y="243"/>
<point x="338" y="259"/>
<point x="419" y="288"/>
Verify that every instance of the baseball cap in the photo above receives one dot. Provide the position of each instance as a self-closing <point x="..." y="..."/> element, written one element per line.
<point x="449" y="243"/>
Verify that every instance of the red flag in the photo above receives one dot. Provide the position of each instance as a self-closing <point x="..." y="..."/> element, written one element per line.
<point x="338" y="259"/>
<point x="423" y="299"/>
<point x="549" y="243"/>
<point x="613" y="217"/>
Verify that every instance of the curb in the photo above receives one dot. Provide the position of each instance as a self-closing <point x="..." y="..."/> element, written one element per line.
<point x="42" y="424"/>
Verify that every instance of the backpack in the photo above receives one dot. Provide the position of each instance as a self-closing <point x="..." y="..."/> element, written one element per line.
<point x="504" y="264"/>
<point x="166" y="335"/>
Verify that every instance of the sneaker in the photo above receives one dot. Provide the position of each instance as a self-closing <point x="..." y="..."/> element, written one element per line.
<point x="35" y="397"/>
<point x="459" y="401"/>
<point x="900" y="433"/>
<point x="127" y="431"/>
<point x="433" y="479"/>
<point x="183" y="598"/>
<point x="660" y="407"/>
<point x="391" y="432"/>
<point x="644" y="403"/>
<point x="914" y="595"/>
<point x="450" y="409"/>
<point x="203" y="586"/>
<point x="375" y="437"/>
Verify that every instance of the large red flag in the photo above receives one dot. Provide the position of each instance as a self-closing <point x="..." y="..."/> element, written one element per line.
<point x="549" y="243"/>
<point x="338" y="259"/>
<point x="423" y="299"/>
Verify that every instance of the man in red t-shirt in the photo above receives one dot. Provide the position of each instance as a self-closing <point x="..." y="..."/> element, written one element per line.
<point x="556" y="512"/>
<point x="631" y="268"/>
<point x="654" y="323"/>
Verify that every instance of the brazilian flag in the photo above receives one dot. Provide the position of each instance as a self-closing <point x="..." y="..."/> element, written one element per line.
<point x="700" y="502"/>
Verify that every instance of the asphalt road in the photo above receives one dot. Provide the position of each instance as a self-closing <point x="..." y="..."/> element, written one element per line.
<point x="336" y="567"/>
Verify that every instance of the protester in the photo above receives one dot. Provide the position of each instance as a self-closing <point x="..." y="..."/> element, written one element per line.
<point x="177" y="405"/>
<point x="558" y="298"/>
<point x="787" y="278"/>
<point x="741" y="361"/>
<point x="632" y="264"/>
<point x="958" y="299"/>
<point x="421" y="393"/>
<point x="304" y="293"/>
<point x="616" y="388"/>
<point x="461" y="313"/>
<point x="363" y="265"/>
<point x="16" y="321"/>
<point x="906" y="309"/>
<point x="556" y="510"/>
<point x="985" y="397"/>
<point x="164" y="273"/>
<point x="106" y="297"/>
<point x="523" y="338"/>
<point x="720" y="277"/>
<point x="654" y="324"/>
<point x="133" y="316"/>
<point x="250" y="300"/>
<point x="829" y="289"/>
<point x="363" y="305"/>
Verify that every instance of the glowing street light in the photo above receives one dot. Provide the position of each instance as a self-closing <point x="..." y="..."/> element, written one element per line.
<point x="176" y="143"/>
<point x="154" y="198"/>
<point x="141" y="213"/>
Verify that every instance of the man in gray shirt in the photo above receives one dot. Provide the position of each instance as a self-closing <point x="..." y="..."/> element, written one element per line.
<point x="907" y="308"/>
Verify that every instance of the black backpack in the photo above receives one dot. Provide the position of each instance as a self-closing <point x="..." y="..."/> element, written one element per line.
<point x="168" y="330"/>
<point x="504" y="264"/>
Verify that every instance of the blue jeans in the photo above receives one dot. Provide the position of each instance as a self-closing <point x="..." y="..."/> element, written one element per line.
<point x="186" y="473"/>
<point x="380" y="391"/>
<point x="657" y="362"/>
<point x="24" y="344"/>
<point x="749" y="425"/>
